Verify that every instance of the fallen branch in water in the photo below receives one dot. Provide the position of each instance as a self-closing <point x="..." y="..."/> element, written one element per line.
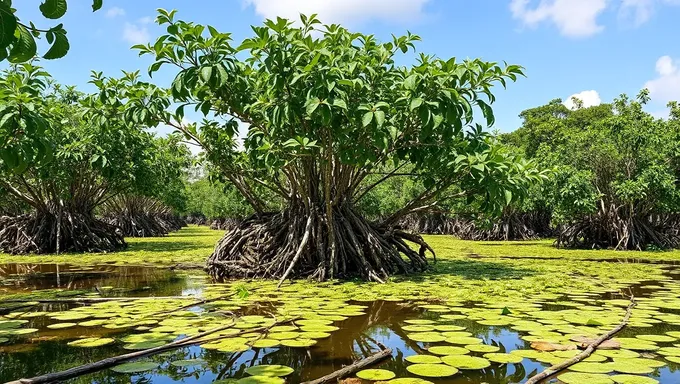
<point x="116" y="360"/>
<point x="95" y="299"/>
<point x="587" y="352"/>
<point x="350" y="369"/>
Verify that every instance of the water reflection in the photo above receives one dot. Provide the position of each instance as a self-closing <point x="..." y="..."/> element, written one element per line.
<point x="358" y="338"/>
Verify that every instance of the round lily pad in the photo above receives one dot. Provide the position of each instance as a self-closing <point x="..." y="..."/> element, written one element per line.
<point x="419" y="321"/>
<point x="376" y="374"/>
<point x="669" y="351"/>
<point x="448" y="328"/>
<point x="673" y="359"/>
<point x="426" y="337"/>
<point x="592" y="367"/>
<point x="464" y="340"/>
<point x="418" y="328"/>
<point x="482" y="348"/>
<point x="408" y="380"/>
<point x="448" y="350"/>
<point x="617" y="353"/>
<point x="261" y="380"/>
<point x="423" y="359"/>
<point x="136" y="367"/>
<point x="265" y="343"/>
<point x="144" y="344"/>
<point x="298" y="343"/>
<point x="313" y="322"/>
<point x="581" y="378"/>
<point x="466" y="362"/>
<point x="91" y="342"/>
<point x="61" y="325"/>
<point x="269" y="370"/>
<point x="319" y="328"/>
<point x="504" y="358"/>
<point x="657" y="338"/>
<point x="620" y="365"/>
<point x="314" y="335"/>
<point x="283" y="335"/>
<point x="187" y="363"/>
<point x="633" y="379"/>
<point x="3" y="340"/>
<point x="432" y="370"/>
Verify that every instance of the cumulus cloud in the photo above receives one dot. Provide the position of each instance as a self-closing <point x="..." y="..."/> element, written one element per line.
<point x="573" y="18"/>
<point x="638" y="12"/>
<point x="666" y="86"/>
<point x="114" y="12"/>
<point x="579" y="18"/>
<point x="588" y="98"/>
<point x="341" y="11"/>
<point x="135" y="34"/>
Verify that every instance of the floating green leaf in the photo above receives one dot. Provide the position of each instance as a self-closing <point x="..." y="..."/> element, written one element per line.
<point x="375" y="374"/>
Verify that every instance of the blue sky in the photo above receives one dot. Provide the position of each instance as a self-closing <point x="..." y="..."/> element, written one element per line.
<point x="595" y="48"/>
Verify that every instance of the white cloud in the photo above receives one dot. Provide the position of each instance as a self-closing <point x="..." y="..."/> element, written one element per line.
<point x="579" y="18"/>
<point x="135" y="34"/>
<point x="666" y="87"/>
<point x="638" y="12"/>
<point x="341" y="11"/>
<point x="588" y="98"/>
<point x="573" y="18"/>
<point x="114" y="12"/>
<point x="146" y="20"/>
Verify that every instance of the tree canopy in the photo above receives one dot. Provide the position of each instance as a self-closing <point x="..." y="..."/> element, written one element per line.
<point x="325" y="109"/>
<point x="616" y="172"/>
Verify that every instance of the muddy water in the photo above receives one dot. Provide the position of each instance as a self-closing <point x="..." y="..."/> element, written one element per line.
<point x="358" y="337"/>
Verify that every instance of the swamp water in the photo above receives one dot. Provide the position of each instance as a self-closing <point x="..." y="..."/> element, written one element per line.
<point x="486" y="342"/>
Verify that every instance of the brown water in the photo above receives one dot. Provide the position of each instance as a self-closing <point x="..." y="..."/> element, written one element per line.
<point x="358" y="337"/>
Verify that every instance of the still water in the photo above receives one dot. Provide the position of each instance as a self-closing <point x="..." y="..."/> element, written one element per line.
<point x="46" y="351"/>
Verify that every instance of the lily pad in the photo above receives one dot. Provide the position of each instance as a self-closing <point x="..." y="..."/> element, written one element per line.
<point x="261" y="380"/>
<point x="136" y="367"/>
<point x="265" y="343"/>
<point x="448" y="350"/>
<point x="581" y="378"/>
<point x="408" y="380"/>
<point x="633" y="379"/>
<point x="482" y="348"/>
<point x="298" y="343"/>
<point x="432" y="370"/>
<point x="376" y="374"/>
<point x="464" y="340"/>
<point x="423" y="359"/>
<point x="269" y="370"/>
<point x="592" y="367"/>
<point x="466" y="362"/>
<point x="657" y="338"/>
<point x="61" y="325"/>
<point x="144" y="344"/>
<point x="504" y="358"/>
<point x="91" y="342"/>
<point x="426" y="337"/>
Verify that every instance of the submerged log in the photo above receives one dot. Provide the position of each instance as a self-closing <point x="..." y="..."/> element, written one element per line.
<point x="350" y="369"/>
<point x="116" y="360"/>
<point x="587" y="352"/>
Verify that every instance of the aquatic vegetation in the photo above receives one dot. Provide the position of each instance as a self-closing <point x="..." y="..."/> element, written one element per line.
<point x="376" y="374"/>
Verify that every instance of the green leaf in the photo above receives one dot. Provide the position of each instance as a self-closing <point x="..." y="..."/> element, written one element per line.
<point x="415" y="103"/>
<point x="206" y="73"/>
<point x="508" y="197"/>
<point x="487" y="111"/>
<point x="8" y="24"/>
<point x="60" y="46"/>
<point x="367" y="118"/>
<point x="340" y="103"/>
<point x="24" y="49"/>
<point x="97" y="5"/>
<point x="379" y="117"/>
<point x="312" y="104"/>
<point x="53" y="9"/>
<point x="410" y="83"/>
